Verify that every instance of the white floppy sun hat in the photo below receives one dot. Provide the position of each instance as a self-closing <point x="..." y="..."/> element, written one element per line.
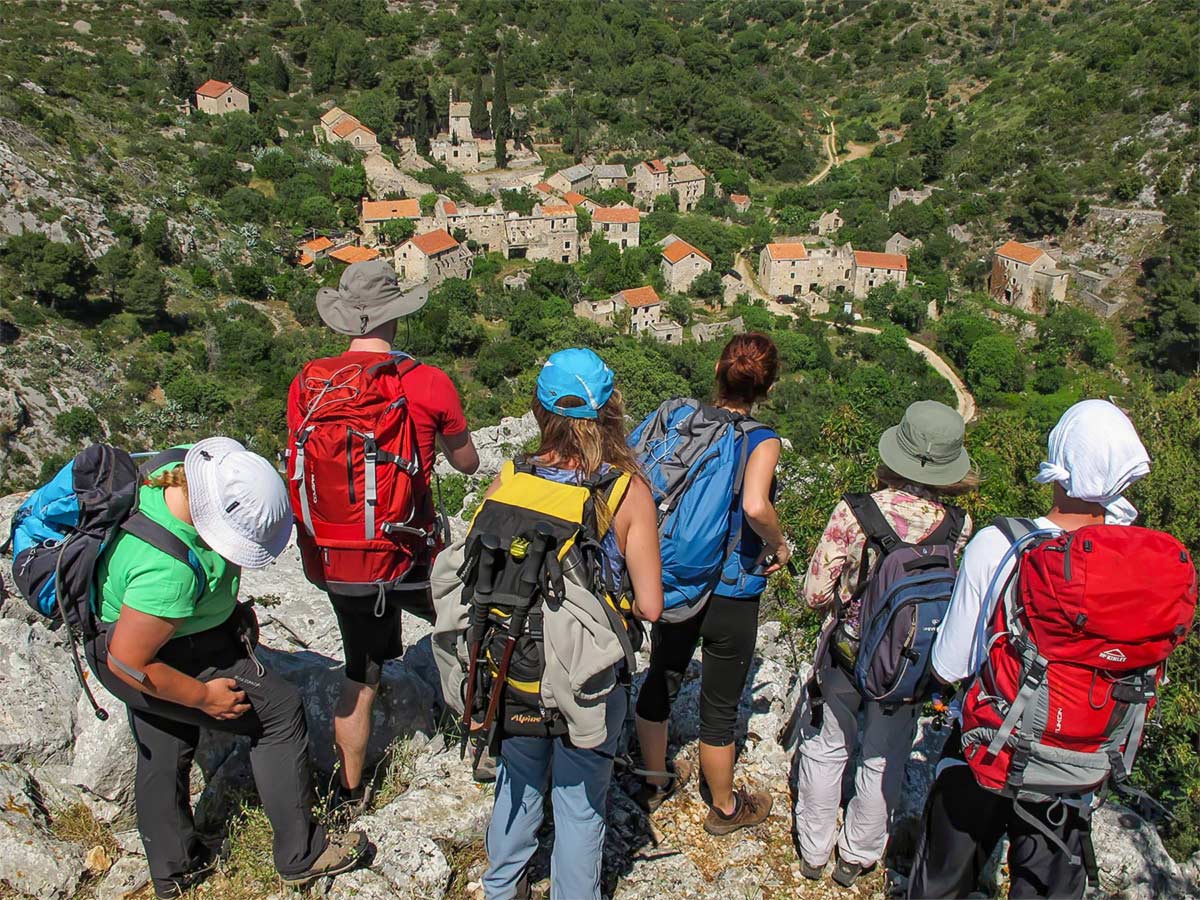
<point x="238" y="502"/>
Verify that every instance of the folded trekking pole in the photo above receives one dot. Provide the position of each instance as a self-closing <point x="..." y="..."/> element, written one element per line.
<point x="485" y="579"/>
<point x="532" y="565"/>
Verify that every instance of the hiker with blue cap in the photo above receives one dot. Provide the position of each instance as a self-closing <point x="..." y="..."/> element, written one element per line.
<point x="581" y="497"/>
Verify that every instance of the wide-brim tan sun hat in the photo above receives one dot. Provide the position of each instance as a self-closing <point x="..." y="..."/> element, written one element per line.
<point x="238" y="502"/>
<point x="367" y="296"/>
<point x="927" y="446"/>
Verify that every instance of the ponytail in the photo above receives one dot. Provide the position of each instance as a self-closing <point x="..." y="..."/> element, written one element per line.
<point x="175" y="477"/>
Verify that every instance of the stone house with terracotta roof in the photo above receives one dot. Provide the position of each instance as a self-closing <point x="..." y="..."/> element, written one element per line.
<point x="793" y="269"/>
<point x="375" y="212"/>
<point x="354" y="254"/>
<point x="220" y="97"/>
<point x="650" y="180"/>
<point x="432" y="257"/>
<point x="576" y="178"/>
<point x="1026" y="277"/>
<point x="682" y="264"/>
<point x="337" y="125"/>
<point x="620" y="224"/>
<point x="741" y="202"/>
<point x="871" y="270"/>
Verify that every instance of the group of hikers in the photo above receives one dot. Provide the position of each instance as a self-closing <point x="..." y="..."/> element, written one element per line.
<point x="538" y="615"/>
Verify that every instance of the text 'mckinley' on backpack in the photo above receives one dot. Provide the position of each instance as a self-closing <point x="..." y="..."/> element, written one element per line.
<point x="541" y="626"/>
<point x="365" y="510"/>
<point x="903" y="593"/>
<point x="61" y="530"/>
<point x="694" y="456"/>
<point x="1082" y="631"/>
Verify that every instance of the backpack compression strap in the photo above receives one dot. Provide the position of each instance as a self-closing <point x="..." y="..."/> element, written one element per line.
<point x="873" y="522"/>
<point x="160" y="538"/>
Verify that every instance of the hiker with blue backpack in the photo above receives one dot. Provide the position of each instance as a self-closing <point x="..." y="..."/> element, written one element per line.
<point x="145" y="567"/>
<point x="712" y="471"/>
<point x="884" y="568"/>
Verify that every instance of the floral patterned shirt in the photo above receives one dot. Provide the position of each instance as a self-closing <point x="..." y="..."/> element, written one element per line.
<point x="912" y="512"/>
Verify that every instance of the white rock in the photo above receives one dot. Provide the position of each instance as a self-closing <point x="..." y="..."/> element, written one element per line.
<point x="411" y="862"/>
<point x="127" y="876"/>
<point x="1132" y="860"/>
<point x="31" y="861"/>
<point x="105" y="756"/>
<point x="39" y="691"/>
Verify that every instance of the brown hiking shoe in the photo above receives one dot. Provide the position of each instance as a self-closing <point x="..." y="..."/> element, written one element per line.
<point x="343" y="853"/>
<point x="750" y="808"/>
<point x="651" y="797"/>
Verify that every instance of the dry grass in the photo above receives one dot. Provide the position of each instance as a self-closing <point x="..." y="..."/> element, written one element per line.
<point x="399" y="766"/>
<point x="466" y="862"/>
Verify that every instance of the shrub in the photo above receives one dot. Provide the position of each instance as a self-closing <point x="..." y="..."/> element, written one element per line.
<point x="78" y="424"/>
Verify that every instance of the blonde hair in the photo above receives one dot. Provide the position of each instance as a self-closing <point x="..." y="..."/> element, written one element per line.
<point x="965" y="485"/>
<point x="587" y="444"/>
<point x="175" y="477"/>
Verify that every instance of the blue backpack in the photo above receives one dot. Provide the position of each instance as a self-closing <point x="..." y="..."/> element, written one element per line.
<point x="904" y="596"/>
<point x="694" y="456"/>
<point x="60" y="532"/>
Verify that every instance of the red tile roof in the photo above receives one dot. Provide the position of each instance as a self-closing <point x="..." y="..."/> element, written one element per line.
<point x="382" y="210"/>
<point x="543" y="187"/>
<point x="558" y="210"/>
<point x="213" y="88"/>
<point x="350" y="124"/>
<point x="431" y="243"/>
<point x="350" y="255"/>
<point x="739" y="198"/>
<point x="793" y="250"/>
<point x="1022" y="253"/>
<point x="639" y="297"/>
<point x="656" y="166"/>
<point x="450" y="207"/>
<point x="574" y="197"/>
<point x="306" y="260"/>
<point x="615" y="214"/>
<point x="680" y="250"/>
<point x="316" y="245"/>
<point x="881" y="260"/>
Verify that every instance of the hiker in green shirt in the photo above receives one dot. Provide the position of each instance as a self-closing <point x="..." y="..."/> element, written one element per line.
<point x="176" y="647"/>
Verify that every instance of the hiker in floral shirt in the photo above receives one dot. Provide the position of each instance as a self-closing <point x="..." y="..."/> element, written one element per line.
<point x="922" y="460"/>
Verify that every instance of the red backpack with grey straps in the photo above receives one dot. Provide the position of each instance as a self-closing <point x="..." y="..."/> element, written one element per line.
<point x="1080" y="635"/>
<point x="358" y="488"/>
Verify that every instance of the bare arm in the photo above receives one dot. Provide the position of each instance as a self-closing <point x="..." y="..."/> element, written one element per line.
<point x="133" y="649"/>
<point x="637" y="522"/>
<point x="460" y="451"/>
<point x="756" y="502"/>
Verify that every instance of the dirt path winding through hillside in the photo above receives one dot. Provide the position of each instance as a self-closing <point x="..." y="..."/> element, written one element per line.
<point x="964" y="400"/>
<point x="829" y="142"/>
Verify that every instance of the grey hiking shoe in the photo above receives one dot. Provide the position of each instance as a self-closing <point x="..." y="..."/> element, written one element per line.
<point x="812" y="873"/>
<point x="343" y="853"/>
<point x="846" y="873"/>
<point x="750" y="808"/>
<point x="651" y="796"/>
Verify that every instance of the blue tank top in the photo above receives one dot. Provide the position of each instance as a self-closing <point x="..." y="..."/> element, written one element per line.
<point x="608" y="543"/>
<point x="749" y="584"/>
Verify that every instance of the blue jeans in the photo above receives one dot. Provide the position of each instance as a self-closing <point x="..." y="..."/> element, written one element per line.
<point x="578" y="781"/>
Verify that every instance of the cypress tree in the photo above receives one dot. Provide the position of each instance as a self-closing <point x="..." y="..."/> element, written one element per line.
<point x="423" y="122"/>
<point x="180" y="79"/>
<point x="501" y="115"/>
<point x="479" y="112"/>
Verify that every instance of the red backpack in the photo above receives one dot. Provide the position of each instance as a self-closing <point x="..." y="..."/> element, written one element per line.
<point x="1077" y="651"/>
<point x="365" y="510"/>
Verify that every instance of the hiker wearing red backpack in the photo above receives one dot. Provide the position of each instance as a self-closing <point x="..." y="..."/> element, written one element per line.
<point x="1059" y="627"/>
<point x="364" y="428"/>
<point x="885" y="568"/>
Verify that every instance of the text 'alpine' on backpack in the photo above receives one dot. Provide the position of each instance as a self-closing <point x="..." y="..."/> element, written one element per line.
<point x="61" y="530"/>
<point x="903" y="597"/>
<point x="355" y="476"/>
<point x="529" y="540"/>
<point x="1082" y="630"/>
<point x="694" y="456"/>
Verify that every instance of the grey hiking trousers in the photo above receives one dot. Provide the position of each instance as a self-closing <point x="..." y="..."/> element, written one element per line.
<point x="823" y="755"/>
<point x="167" y="734"/>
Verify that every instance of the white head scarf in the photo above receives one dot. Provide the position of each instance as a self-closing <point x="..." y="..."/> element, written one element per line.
<point x="1095" y="453"/>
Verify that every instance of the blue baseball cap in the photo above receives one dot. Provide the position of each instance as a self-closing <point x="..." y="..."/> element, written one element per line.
<point x="576" y="373"/>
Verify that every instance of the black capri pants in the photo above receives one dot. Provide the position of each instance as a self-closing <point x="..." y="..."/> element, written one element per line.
<point x="727" y="631"/>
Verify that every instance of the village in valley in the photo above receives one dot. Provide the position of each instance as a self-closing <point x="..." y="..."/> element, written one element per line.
<point x="431" y="238"/>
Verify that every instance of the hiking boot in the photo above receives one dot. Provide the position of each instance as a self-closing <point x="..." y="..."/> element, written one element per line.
<point x="749" y="808"/>
<point x="343" y="853"/>
<point x="346" y="804"/>
<point x="846" y="873"/>
<point x="651" y="796"/>
<point x="203" y="866"/>
<point x="812" y="873"/>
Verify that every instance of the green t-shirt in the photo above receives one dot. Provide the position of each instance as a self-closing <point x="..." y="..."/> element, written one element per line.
<point x="133" y="573"/>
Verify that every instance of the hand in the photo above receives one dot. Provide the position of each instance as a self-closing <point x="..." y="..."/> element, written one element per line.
<point x="223" y="700"/>
<point x="777" y="559"/>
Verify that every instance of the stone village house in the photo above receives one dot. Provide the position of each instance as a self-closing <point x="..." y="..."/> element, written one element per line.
<point x="375" y="212"/>
<point x="338" y="126"/>
<point x="682" y="264"/>
<point x="1026" y="277"/>
<point x="620" y="225"/>
<point x="576" y="178"/>
<point x="220" y="97"/>
<point x="432" y="257"/>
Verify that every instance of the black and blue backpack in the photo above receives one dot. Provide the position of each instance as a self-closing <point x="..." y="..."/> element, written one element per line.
<point x="62" y="529"/>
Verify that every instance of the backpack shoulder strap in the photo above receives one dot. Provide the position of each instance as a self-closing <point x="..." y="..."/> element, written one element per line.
<point x="171" y="456"/>
<point x="949" y="529"/>
<point x="160" y="538"/>
<point x="1014" y="528"/>
<point x="873" y="522"/>
<point x="398" y="359"/>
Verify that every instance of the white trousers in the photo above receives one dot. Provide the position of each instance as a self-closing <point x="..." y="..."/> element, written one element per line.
<point x="886" y="744"/>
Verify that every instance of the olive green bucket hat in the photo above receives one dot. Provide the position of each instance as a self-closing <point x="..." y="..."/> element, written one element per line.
<point x="927" y="446"/>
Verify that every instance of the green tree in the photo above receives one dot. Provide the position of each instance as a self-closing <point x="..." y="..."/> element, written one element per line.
<point x="57" y="275"/>
<point x="479" y="110"/>
<point x="679" y="308"/>
<point x="501" y="114"/>
<point x="1044" y="202"/>
<point x="157" y="240"/>
<point x="277" y="72"/>
<point x="423" y="122"/>
<point x="706" y="285"/>
<point x="348" y="182"/>
<point x="318" y="211"/>
<point x="396" y="231"/>
<point x="248" y="281"/>
<point x="146" y="294"/>
<point x="995" y="365"/>
<point x="428" y="202"/>
<point x="77" y="425"/>
<point x="179" y="78"/>
<point x="115" y="268"/>
<point x="229" y="65"/>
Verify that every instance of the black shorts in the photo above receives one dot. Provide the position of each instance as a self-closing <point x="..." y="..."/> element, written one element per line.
<point x="371" y="631"/>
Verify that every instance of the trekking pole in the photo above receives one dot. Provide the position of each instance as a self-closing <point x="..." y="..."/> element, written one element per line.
<point x="485" y="578"/>
<point x="530" y="581"/>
